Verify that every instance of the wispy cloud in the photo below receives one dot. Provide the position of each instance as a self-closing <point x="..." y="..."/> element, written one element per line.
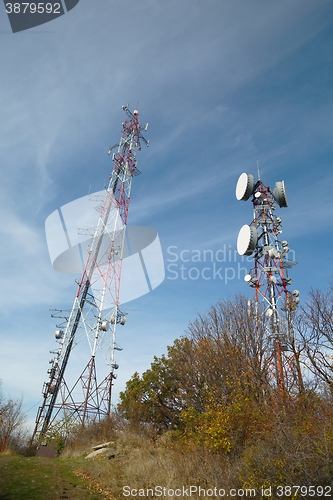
<point x="222" y="84"/>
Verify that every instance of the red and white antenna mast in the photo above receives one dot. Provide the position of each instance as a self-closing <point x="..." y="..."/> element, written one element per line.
<point x="91" y="316"/>
<point x="269" y="274"/>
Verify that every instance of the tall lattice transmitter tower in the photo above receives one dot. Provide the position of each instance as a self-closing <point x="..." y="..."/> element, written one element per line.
<point x="90" y="326"/>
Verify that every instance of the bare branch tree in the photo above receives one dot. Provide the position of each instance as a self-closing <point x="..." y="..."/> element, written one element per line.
<point x="315" y="327"/>
<point x="12" y="419"/>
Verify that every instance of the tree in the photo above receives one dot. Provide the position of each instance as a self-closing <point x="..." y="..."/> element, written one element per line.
<point x="217" y="388"/>
<point x="239" y="351"/>
<point x="221" y="357"/>
<point x="152" y="398"/>
<point x="315" y="327"/>
<point x="12" y="419"/>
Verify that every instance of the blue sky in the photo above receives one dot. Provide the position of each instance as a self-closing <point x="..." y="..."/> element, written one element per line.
<point x="222" y="83"/>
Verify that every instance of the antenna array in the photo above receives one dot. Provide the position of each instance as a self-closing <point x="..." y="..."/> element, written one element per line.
<point x="269" y="276"/>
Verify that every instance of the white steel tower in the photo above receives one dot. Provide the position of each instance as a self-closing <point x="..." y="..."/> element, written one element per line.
<point x="88" y="398"/>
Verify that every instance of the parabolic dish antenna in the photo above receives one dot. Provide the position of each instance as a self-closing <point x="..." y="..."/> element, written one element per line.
<point x="244" y="187"/>
<point x="279" y="194"/>
<point x="247" y="240"/>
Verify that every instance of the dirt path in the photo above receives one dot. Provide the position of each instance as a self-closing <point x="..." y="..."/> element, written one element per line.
<point x="32" y="478"/>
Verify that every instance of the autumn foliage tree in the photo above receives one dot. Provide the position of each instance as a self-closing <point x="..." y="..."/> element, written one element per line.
<point x="216" y="388"/>
<point x="221" y="362"/>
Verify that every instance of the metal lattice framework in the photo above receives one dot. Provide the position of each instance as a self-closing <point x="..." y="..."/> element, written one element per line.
<point x="78" y="400"/>
<point x="269" y="276"/>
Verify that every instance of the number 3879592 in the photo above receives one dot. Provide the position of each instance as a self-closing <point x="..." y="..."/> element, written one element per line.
<point x="32" y="8"/>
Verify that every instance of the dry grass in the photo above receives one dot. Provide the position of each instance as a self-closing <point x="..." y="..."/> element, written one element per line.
<point x="141" y="461"/>
<point x="83" y="440"/>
